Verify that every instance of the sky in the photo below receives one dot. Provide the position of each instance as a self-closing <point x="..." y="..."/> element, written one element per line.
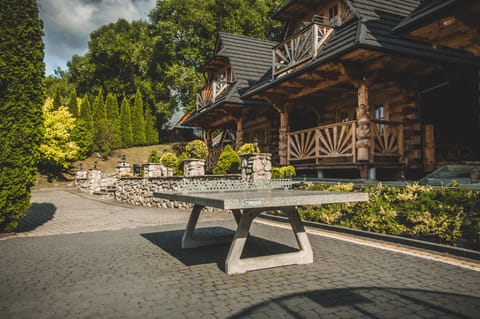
<point x="68" y="23"/>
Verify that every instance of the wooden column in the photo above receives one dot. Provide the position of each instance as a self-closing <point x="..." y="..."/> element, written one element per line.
<point x="283" y="138"/>
<point x="363" y="143"/>
<point x="208" y="138"/>
<point x="239" y="132"/>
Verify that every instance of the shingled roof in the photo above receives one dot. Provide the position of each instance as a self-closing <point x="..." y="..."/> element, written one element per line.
<point x="249" y="59"/>
<point x="373" y="30"/>
<point x="427" y="10"/>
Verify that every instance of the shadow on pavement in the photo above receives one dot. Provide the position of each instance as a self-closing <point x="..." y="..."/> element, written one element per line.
<point x="170" y="242"/>
<point x="368" y="302"/>
<point x="37" y="215"/>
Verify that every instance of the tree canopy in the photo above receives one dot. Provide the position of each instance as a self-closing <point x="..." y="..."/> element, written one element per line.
<point x="161" y="58"/>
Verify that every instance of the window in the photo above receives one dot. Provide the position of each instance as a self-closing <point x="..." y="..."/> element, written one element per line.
<point x="333" y="15"/>
<point x="379" y="114"/>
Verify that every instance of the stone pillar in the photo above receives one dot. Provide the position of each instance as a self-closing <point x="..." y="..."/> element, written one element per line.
<point x="81" y="173"/>
<point x="193" y="167"/>
<point x="239" y="132"/>
<point x="123" y="167"/>
<point x="363" y="143"/>
<point x="94" y="180"/>
<point x="256" y="166"/>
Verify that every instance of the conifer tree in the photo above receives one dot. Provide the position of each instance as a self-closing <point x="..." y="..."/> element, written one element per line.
<point x="138" y="122"/>
<point x="151" y="133"/>
<point x="113" y="117"/>
<point x="126" y="123"/>
<point x="57" y="98"/>
<point x="85" y="112"/>
<point x="99" y="107"/>
<point x="72" y="105"/>
<point x="21" y="99"/>
<point x="83" y="133"/>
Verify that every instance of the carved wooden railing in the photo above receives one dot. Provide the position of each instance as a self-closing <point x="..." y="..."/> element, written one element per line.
<point x="300" y="47"/>
<point x="386" y="139"/>
<point x="210" y="93"/>
<point x="338" y="140"/>
<point x="329" y="141"/>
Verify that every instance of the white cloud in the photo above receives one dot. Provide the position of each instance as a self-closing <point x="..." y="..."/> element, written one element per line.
<point x="68" y="24"/>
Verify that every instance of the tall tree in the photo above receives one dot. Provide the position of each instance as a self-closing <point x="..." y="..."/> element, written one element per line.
<point x="186" y="32"/>
<point x="57" y="98"/>
<point x="113" y="116"/>
<point x="138" y="122"/>
<point x="99" y="111"/>
<point x="151" y="132"/>
<point x="21" y="98"/>
<point x="84" y="132"/>
<point x="126" y="123"/>
<point x="72" y="103"/>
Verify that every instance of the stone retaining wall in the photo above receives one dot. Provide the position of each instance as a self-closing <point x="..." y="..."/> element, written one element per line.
<point x="139" y="190"/>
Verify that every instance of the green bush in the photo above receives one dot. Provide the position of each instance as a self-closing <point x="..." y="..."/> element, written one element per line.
<point x="197" y="149"/>
<point x="449" y="215"/>
<point x="179" y="165"/>
<point x="153" y="157"/>
<point x="228" y="162"/>
<point x="248" y="148"/>
<point x="283" y="172"/>
<point x="169" y="160"/>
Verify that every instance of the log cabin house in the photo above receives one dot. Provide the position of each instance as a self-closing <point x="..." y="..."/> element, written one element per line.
<point x="355" y="88"/>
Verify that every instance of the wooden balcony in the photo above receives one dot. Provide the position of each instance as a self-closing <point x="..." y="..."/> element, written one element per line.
<point x="211" y="93"/>
<point x="336" y="143"/>
<point x="300" y="47"/>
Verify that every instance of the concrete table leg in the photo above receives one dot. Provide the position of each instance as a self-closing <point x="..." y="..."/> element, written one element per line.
<point x="236" y="265"/>
<point x="190" y="241"/>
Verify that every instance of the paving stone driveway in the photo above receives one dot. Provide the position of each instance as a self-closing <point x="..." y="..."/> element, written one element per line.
<point x="143" y="273"/>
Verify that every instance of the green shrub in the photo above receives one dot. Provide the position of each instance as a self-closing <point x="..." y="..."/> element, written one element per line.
<point x="179" y="165"/>
<point x="153" y="157"/>
<point x="179" y="148"/>
<point x="228" y="162"/>
<point x="169" y="160"/>
<point x="197" y="149"/>
<point x="283" y="172"/>
<point x="444" y="214"/>
<point x="248" y="148"/>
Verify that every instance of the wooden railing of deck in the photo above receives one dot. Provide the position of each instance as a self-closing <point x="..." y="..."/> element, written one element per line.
<point x="386" y="139"/>
<point x="339" y="141"/>
<point x="328" y="141"/>
<point x="300" y="47"/>
<point x="210" y="93"/>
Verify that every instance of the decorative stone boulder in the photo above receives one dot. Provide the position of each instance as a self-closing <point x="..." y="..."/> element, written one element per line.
<point x="256" y="166"/>
<point x="193" y="167"/>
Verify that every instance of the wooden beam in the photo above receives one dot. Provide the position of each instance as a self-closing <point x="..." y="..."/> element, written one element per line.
<point x="311" y="90"/>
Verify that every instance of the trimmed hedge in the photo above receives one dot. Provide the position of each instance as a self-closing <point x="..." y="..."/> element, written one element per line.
<point x="448" y="215"/>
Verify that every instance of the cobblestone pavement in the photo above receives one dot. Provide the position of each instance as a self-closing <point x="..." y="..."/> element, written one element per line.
<point x="63" y="211"/>
<point x="143" y="273"/>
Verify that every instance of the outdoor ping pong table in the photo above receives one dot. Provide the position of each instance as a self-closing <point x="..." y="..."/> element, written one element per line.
<point x="246" y="205"/>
